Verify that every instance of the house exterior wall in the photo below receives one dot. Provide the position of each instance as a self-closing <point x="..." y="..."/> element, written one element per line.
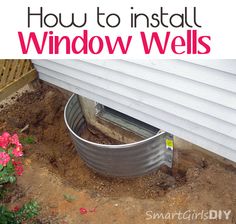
<point x="194" y="100"/>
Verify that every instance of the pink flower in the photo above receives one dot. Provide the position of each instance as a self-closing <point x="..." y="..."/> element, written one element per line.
<point x="4" y="158"/>
<point x="4" y="140"/>
<point x="18" y="167"/>
<point x="83" y="211"/>
<point x="14" y="139"/>
<point x="16" y="209"/>
<point x="17" y="152"/>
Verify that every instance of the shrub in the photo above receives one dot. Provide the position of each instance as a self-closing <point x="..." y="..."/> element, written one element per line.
<point x="19" y="215"/>
<point x="10" y="153"/>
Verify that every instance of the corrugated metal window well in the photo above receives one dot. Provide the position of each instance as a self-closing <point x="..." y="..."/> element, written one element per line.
<point x="109" y="156"/>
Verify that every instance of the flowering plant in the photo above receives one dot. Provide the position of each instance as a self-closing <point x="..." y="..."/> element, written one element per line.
<point x="10" y="164"/>
<point x="17" y="215"/>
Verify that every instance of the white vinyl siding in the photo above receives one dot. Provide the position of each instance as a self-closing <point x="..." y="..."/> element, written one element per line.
<point x="194" y="100"/>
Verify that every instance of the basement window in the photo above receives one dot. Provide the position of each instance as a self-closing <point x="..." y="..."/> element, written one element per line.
<point x="129" y="123"/>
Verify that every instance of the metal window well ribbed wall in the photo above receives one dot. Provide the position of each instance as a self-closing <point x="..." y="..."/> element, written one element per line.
<point x="126" y="160"/>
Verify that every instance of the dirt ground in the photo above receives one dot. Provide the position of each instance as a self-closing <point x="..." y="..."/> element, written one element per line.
<point x="91" y="134"/>
<point x="63" y="185"/>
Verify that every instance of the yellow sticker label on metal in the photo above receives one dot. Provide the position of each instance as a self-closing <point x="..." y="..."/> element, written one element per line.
<point x="169" y="144"/>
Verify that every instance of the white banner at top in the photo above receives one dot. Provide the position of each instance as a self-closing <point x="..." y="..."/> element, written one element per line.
<point x="102" y="29"/>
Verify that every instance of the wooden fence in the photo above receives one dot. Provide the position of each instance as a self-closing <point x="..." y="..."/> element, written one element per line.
<point x="14" y="74"/>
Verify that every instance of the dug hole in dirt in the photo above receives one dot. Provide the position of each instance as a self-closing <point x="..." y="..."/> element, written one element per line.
<point x="62" y="183"/>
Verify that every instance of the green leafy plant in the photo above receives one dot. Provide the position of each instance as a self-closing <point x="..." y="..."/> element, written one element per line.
<point x="27" y="140"/>
<point x="3" y="192"/>
<point x="10" y="153"/>
<point x="19" y="215"/>
<point x="10" y="166"/>
<point x="69" y="197"/>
